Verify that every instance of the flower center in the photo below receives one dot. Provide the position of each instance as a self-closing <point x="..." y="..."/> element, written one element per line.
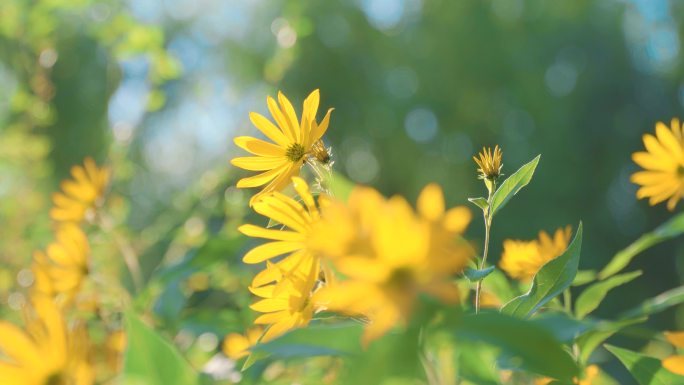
<point x="401" y="278"/>
<point x="295" y="152"/>
<point x="56" y="379"/>
<point x="680" y="171"/>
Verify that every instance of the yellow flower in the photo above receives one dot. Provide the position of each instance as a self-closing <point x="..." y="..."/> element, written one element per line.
<point x="287" y="305"/>
<point x="489" y="163"/>
<point x="80" y="195"/>
<point x="293" y="142"/>
<point x="236" y="345"/>
<point x="61" y="269"/>
<point x="591" y="373"/>
<point x="675" y="363"/>
<point x="389" y="255"/>
<point x="46" y="352"/>
<point x="663" y="163"/>
<point x="522" y="259"/>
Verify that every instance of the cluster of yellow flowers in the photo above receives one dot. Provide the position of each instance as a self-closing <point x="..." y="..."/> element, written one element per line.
<point x="368" y="257"/>
<point x="49" y="350"/>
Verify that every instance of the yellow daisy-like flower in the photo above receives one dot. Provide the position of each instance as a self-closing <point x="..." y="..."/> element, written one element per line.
<point x="522" y="259"/>
<point x="287" y="304"/>
<point x="675" y="363"/>
<point x="663" y="162"/>
<point x="236" y="345"/>
<point x="389" y="255"/>
<point x="292" y="142"/>
<point x="47" y="352"/>
<point x="80" y="195"/>
<point x="489" y="163"/>
<point x="61" y="269"/>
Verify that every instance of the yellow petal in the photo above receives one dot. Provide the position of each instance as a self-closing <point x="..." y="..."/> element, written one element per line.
<point x="18" y="346"/>
<point x="281" y="120"/>
<point x="651" y="162"/>
<point x="258" y="146"/>
<point x="675" y="364"/>
<point x="258" y="163"/>
<point x="457" y="219"/>
<point x="319" y="129"/>
<point x="675" y="338"/>
<point x="270" y="250"/>
<point x="431" y="202"/>
<point x="650" y="177"/>
<point x="278" y="235"/>
<point x="261" y="179"/>
<point x="267" y="128"/>
<point x="668" y="140"/>
<point x="279" y="328"/>
<point x="290" y="116"/>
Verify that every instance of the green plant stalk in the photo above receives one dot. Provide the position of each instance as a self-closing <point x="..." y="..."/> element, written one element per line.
<point x="488" y="226"/>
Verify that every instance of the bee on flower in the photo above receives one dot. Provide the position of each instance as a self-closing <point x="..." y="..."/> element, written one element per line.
<point x="81" y="195"/>
<point x="293" y="141"/>
<point x="522" y="259"/>
<point x="662" y="177"/>
<point x="389" y="254"/>
<point x="47" y="351"/>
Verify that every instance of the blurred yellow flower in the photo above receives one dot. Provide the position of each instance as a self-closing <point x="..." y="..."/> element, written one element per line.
<point x="663" y="163"/>
<point x="60" y="270"/>
<point x="675" y="363"/>
<point x="46" y="352"/>
<point x="522" y="259"/>
<point x="489" y="163"/>
<point x="80" y="195"/>
<point x="236" y="345"/>
<point x="389" y="255"/>
<point x="293" y="142"/>
<point x="591" y="373"/>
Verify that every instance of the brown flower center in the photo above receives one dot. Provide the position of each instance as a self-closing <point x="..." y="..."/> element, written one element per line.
<point x="295" y="152"/>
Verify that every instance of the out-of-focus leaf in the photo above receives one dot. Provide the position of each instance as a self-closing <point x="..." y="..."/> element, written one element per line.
<point x="475" y="275"/>
<point x="151" y="360"/>
<point x="476" y="363"/>
<point x="589" y="341"/>
<point x="583" y="277"/>
<point x="667" y="230"/>
<point x="554" y="277"/>
<point x="646" y="370"/>
<point x="657" y="304"/>
<point x="513" y="184"/>
<point x="339" y="186"/>
<point x="591" y="297"/>
<point x="562" y="327"/>
<point x="527" y="343"/>
<point x="480" y="202"/>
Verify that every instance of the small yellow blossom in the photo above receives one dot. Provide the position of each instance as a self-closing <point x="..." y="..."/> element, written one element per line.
<point x="663" y="162"/>
<point x="60" y="270"/>
<point x="292" y="143"/>
<point x="675" y="363"/>
<point x="522" y="259"/>
<point x="489" y="163"/>
<point x="47" y="352"/>
<point x="591" y="373"/>
<point x="236" y="345"/>
<point x="80" y="195"/>
<point x="389" y="255"/>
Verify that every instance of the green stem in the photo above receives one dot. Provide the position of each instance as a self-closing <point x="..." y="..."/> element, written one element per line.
<point x="488" y="226"/>
<point x="567" y="301"/>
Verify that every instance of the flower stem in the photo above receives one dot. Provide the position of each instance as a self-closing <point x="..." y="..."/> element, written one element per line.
<point x="487" y="214"/>
<point x="127" y="252"/>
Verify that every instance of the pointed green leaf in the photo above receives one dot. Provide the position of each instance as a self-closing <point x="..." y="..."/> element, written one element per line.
<point x="529" y="345"/>
<point x="480" y="202"/>
<point x="667" y="230"/>
<point x="152" y="360"/>
<point x="646" y="370"/>
<point x="589" y="341"/>
<point x="591" y="297"/>
<point x="554" y="277"/>
<point x="513" y="184"/>
<point x="475" y="275"/>
<point x="583" y="277"/>
<point x="657" y="304"/>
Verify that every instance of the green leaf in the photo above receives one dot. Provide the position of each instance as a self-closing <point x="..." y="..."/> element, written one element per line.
<point x="667" y="230"/>
<point x="589" y="341"/>
<point x="554" y="277"/>
<point x="646" y="370"/>
<point x="513" y="184"/>
<point x="657" y="304"/>
<point x="152" y="360"/>
<point x="475" y="275"/>
<point x="583" y="277"/>
<point x="591" y="298"/>
<point x="529" y="346"/>
<point x="339" y="185"/>
<point x="480" y="202"/>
